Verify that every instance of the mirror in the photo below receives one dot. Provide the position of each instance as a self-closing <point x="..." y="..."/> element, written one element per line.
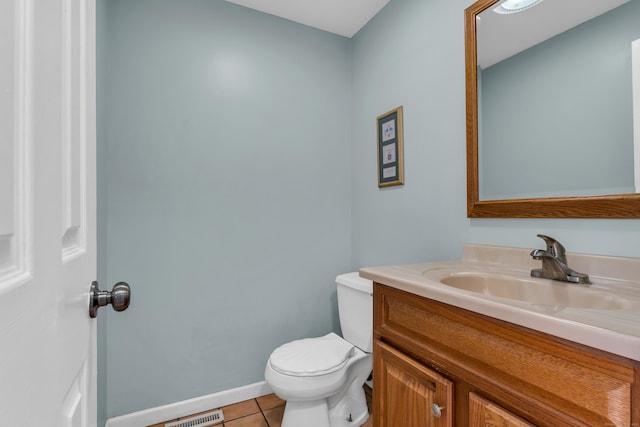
<point x="557" y="196"/>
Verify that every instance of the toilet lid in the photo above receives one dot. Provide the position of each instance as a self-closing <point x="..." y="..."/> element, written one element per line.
<point x="312" y="356"/>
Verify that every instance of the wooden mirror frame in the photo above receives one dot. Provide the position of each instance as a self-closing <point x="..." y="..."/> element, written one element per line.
<point x="610" y="206"/>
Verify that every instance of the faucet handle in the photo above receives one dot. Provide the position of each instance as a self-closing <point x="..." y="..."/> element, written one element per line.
<point x="554" y="248"/>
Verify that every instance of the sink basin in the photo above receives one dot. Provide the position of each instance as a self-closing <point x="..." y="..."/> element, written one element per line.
<point x="547" y="293"/>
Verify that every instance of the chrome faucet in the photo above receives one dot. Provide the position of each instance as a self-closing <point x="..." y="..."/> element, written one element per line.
<point x="554" y="263"/>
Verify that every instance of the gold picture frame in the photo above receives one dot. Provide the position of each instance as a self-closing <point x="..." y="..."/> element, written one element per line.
<point x="390" y="133"/>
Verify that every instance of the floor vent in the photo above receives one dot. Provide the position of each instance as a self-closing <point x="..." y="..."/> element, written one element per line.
<point x="203" y="420"/>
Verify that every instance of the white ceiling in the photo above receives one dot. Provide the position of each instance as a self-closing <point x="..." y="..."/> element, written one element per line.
<point x="343" y="17"/>
<point x="501" y="36"/>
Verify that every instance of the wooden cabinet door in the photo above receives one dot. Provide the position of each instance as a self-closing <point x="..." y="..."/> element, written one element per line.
<point x="483" y="413"/>
<point x="405" y="391"/>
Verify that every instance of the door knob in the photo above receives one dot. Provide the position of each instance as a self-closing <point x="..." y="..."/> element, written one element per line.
<point x="118" y="297"/>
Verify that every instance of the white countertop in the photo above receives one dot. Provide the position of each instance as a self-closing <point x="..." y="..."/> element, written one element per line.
<point x="615" y="331"/>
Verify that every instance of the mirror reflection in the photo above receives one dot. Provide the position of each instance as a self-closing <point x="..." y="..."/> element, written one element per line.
<point x="555" y="99"/>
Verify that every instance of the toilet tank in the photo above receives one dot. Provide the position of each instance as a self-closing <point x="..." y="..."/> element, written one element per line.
<point x="355" y="308"/>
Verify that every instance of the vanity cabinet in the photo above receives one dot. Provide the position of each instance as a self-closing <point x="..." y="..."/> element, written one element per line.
<point x="484" y="413"/>
<point x="409" y="390"/>
<point x="480" y="371"/>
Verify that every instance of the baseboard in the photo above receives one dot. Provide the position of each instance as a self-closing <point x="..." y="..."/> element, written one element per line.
<point x="191" y="406"/>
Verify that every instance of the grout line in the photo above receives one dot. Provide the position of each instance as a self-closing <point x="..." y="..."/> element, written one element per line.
<point x="264" y="417"/>
<point x="260" y="411"/>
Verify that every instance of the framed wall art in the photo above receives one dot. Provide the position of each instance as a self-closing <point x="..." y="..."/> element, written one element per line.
<point x="390" y="148"/>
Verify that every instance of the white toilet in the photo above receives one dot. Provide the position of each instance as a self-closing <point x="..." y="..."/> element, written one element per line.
<point x="321" y="378"/>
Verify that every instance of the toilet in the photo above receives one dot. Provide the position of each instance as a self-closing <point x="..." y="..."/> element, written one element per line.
<point x="321" y="378"/>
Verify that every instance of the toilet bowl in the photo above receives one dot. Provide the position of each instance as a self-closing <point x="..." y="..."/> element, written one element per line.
<point x="321" y="379"/>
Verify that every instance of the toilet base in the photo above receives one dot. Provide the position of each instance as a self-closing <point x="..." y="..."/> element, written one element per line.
<point x="313" y="413"/>
<point x="350" y="411"/>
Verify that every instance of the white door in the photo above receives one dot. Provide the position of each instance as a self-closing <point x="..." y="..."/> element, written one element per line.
<point x="47" y="213"/>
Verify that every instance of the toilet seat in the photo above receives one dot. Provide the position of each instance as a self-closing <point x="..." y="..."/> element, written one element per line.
<point x="311" y="357"/>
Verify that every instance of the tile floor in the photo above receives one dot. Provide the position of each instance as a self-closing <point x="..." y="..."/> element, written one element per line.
<point x="264" y="411"/>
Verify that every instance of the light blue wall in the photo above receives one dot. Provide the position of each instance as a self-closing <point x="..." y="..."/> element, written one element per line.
<point x="226" y="151"/>
<point x="239" y="161"/>
<point x="412" y="54"/>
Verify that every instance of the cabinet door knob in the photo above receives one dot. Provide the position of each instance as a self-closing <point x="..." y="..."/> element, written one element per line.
<point x="436" y="410"/>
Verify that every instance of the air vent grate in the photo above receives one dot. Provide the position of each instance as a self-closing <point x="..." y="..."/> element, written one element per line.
<point x="203" y="420"/>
